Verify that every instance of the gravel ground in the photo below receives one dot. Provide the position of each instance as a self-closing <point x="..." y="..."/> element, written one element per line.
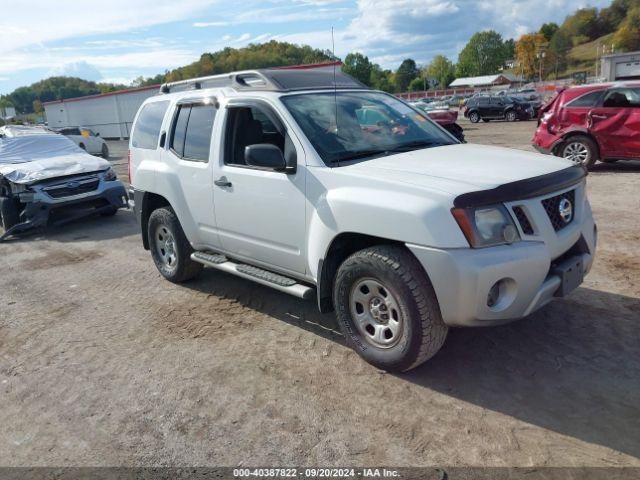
<point x="102" y="362"/>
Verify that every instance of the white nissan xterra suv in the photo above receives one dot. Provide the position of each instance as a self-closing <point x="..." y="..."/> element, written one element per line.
<point x="304" y="180"/>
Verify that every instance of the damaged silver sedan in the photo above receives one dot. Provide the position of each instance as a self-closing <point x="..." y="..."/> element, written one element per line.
<point x="46" y="179"/>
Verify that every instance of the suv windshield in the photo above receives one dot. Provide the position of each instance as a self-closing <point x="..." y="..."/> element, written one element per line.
<point x="368" y="124"/>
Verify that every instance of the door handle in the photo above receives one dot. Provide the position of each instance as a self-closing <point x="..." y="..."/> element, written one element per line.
<point x="222" y="182"/>
<point x="599" y="117"/>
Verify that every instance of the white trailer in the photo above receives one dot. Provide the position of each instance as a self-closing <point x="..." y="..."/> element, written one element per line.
<point x="108" y="114"/>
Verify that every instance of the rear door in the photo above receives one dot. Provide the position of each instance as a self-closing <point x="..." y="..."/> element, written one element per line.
<point x="484" y="107"/>
<point x="187" y="158"/>
<point x="616" y="124"/>
<point x="575" y="112"/>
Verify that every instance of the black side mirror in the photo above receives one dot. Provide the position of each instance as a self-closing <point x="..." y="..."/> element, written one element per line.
<point x="97" y="134"/>
<point x="265" y="155"/>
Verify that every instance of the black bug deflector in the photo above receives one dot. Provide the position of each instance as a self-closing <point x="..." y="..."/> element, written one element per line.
<point x="523" y="189"/>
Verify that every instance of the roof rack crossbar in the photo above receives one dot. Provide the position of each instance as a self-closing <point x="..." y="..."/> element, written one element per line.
<point x="246" y="79"/>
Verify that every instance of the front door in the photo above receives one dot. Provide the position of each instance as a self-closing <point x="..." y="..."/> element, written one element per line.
<point x="260" y="213"/>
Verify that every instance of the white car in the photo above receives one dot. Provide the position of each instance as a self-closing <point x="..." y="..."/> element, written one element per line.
<point x="269" y="175"/>
<point x="87" y="140"/>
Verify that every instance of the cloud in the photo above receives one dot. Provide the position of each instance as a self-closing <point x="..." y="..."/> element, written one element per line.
<point x="81" y="69"/>
<point x="388" y="31"/>
<point x="35" y="22"/>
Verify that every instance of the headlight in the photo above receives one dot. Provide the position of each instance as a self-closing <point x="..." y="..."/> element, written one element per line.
<point x="486" y="226"/>
<point x="109" y="175"/>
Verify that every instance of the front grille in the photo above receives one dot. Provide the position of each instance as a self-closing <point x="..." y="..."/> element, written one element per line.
<point x="552" y="207"/>
<point x="72" y="187"/>
<point x="523" y="220"/>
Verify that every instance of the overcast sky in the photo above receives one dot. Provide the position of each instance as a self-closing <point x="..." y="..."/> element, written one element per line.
<point x="118" y="40"/>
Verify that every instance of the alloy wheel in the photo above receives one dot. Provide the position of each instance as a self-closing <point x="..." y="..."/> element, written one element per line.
<point x="577" y="152"/>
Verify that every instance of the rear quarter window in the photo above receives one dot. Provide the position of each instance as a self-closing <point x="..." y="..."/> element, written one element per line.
<point x="146" y="131"/>
<point x="588" y="100"/>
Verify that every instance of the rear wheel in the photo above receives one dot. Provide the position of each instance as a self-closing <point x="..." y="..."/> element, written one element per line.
<point x="387" y="309"/>
<point x="474" y="117"/>
<point x="170" y="248"/>
<point x="486" y="120"/>
<point x="105" y="151"/>
<point x="580" y="150"/>
<point x="511" y="116"/>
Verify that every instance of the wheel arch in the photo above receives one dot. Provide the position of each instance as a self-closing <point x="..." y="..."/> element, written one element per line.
<point x="149" y="203"/>
<point x="575" y="133"/>
<point x="340" y="248"/>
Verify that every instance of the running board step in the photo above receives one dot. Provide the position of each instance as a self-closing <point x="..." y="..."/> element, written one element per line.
<point x="258" y="275"/>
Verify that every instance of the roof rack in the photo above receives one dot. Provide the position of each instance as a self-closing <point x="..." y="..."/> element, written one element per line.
<point x="279" y="79"/>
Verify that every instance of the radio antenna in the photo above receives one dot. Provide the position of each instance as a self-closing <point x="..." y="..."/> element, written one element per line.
<point x="335" y="85"/>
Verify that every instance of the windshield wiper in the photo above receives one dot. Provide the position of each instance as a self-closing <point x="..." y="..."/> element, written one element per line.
<point x="415" y="145"/>
<point x="360" y="154"/>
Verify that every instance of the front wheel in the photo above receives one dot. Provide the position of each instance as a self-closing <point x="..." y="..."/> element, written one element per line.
<point x="387" y="309"/>
<point x="474" y="117"/>
<point x="580" y="150"/>
<point x="511" y="116"/>
<point x="170" y="248"/>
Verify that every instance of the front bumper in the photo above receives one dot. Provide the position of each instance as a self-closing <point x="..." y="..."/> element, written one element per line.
<point x="462" y="278"/>
<point x="38" y="207"/>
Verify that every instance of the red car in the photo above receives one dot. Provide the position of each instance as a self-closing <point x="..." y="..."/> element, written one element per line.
<point x="592" y="122"/>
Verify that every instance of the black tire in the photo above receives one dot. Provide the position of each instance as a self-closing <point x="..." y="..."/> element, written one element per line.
<point x="510" y="116"/>
<point x="577" y="144"/>
<point x="486" y="120"/>
<point x="105" y="151"/>
<point x="109" y="212"/>
<point x="164" y="221"/>
<point x="474" y="117"/>
<point x="9" y="214"/>
<point x="422" y="331"/>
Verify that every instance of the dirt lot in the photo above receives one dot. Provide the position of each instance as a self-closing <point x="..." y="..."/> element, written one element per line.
<point x="104" y="363"/>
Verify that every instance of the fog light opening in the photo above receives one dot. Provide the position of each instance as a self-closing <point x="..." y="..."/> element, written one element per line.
<point x="501" y="295"/>
<point x="493" y="295"/>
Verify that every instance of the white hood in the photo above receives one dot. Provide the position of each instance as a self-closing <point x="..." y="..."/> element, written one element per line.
<point x="32" y="158"/>
<point x="458" y="169"/>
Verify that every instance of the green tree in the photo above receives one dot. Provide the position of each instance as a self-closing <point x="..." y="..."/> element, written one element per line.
<point x="509" y="49"/>
<point x="549" y="29"/>
<point x="560" y="44"/>
<point x="484" y="54"/>
<point x="627" y="37"/>
<point x="358" y="66"/>
<point x="442" y="69"/>
<point x="382" y="79"/>
<point x="612" y="17"/>
<point x="583" y="25"/>
<point x="407" y="71"/>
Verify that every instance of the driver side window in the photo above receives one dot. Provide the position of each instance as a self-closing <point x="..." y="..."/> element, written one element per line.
<point x="252" y="125"/>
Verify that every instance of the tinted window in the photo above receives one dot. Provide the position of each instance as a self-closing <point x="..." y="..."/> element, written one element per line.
<point x="191" y="137"/>
<point x="249" y="126"/>
<point x="199" y="129"/>
<point x="622" y="98"/>
<point x="147" y="128"/>
<point x="588" y="100"/>
<point x="180" y="130"/>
